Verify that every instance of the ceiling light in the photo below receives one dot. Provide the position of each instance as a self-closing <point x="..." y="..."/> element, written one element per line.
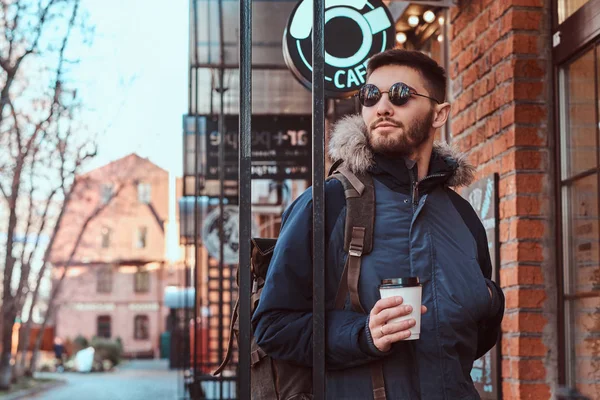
<point x="429" y="16"/>
<point x="413" y="20"/>
<point x="401" y="37"/>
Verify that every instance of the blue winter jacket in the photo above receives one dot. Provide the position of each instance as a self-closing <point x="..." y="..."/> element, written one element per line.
<point x="425" y="230"/>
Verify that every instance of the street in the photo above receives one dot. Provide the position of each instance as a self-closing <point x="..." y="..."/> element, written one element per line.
<point x="138" y="379"/>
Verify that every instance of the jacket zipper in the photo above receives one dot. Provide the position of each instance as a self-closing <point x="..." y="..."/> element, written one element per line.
<point x="415" y="191"/>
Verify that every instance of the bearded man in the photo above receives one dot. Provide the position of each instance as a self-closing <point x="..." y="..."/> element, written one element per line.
<point x="422" y="229"/>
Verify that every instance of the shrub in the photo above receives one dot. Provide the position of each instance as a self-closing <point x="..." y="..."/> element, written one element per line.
<point x="106" y="349"/>
<point x="80" y="343"/>
<point x="119" y="342"/>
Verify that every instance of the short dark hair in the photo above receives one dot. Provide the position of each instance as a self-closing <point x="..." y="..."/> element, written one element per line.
<point x="432" y="72"/>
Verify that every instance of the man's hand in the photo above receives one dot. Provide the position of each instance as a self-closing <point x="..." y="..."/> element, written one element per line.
<point x="384" y="334"/>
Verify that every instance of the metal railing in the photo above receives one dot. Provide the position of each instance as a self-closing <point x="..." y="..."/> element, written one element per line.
<point x="318" y="192"/>
<point x="245" y="195"/>
<point x="198" y="362"/>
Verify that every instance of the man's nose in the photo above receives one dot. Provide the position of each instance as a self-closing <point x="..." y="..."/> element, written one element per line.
<point x="384" y="107"/>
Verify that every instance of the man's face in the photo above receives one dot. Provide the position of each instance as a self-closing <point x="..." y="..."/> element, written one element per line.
<point x="398" y="130"/>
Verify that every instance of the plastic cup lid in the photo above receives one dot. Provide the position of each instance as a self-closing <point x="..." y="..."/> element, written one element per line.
<point x="405" y="281"/>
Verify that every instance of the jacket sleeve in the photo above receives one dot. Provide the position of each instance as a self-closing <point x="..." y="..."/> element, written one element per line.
<point x="283" y="319"/>
<point x="489" y="329"/>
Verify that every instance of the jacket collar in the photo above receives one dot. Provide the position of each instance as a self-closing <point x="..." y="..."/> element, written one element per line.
<point x="348" y="142"/>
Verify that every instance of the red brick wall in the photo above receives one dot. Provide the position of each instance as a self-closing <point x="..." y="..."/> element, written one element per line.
<point x="499" y="71"/>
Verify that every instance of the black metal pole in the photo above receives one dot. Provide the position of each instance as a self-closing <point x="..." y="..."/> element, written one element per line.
<point x="184" y="223"/>
<point x="318" y="193"/>
<point x="222" y="135"/>
<point x="245" y="193"/>
<point x="196" y="195"/>
<point x="184" y="226"/>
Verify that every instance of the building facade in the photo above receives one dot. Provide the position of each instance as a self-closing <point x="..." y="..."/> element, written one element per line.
<point x="524" y="84"/>
<point x="112" y="253"/>
<point x="524" y="79"/>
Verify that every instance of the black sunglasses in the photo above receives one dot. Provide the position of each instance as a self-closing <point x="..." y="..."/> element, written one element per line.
<point x="399" y="93"/>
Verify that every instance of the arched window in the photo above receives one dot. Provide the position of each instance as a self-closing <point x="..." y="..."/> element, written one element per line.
<point x="141" y="327"/>
<point x="103" y="326"/>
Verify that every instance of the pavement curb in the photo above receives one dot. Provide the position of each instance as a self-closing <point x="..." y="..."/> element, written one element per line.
<point x="21" y="394"/>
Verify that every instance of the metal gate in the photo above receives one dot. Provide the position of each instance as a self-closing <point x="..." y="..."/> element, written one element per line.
<point x="209" y="315"/>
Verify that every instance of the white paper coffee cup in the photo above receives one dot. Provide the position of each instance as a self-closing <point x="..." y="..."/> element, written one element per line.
<point x="410" y="289"/>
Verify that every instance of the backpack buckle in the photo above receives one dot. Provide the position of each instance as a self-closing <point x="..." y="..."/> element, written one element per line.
<point x="355" y="252"/>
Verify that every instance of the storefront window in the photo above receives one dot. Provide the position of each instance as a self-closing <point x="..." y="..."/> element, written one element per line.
<point x="566" y="8"/>
<point x="581" y="235"/>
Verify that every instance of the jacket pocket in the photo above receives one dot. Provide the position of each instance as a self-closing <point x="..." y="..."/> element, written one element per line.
<point x="462" y="283"/>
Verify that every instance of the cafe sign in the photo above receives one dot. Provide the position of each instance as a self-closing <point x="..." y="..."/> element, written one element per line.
<point x="355" y="30"/>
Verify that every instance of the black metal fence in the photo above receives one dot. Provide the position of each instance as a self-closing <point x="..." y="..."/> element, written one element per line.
<point x="213" y="281"/>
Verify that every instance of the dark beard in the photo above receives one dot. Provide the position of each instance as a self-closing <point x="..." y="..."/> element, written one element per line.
<point x="406" y="144"/>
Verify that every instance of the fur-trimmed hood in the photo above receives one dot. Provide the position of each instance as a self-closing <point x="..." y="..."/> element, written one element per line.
<point x="348" y="142"/>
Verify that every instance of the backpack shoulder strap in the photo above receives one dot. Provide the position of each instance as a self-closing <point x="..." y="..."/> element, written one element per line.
<point x="358" y="240"/>
<point x="360" y="208"/>
<point x="358" y="236"/>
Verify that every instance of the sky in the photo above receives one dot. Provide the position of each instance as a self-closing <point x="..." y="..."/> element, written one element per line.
<point x="133" y="79"/>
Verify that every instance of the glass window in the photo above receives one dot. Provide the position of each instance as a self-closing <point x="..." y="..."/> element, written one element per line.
<point x="103" y="326"/>
<point x="579" y="110"/>
<point x="106" y="234"/>
<point x="140" y="237"/>
<point x="566" y="8"/>
<point x="106" y="193"/>
<point x="141" y="281"/>
<point x="104" y="281"/>
<point x="144" y="193"/>
<point x="585" y="345"/>
<point x="579" y="100"/>
<point x="582" y="229"/>
<point x="141" y="329"/>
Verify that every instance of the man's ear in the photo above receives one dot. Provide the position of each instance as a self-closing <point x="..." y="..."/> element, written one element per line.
<point x="442" y="111"/>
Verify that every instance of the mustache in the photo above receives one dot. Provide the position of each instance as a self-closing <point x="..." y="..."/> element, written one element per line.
<point x="385" y="119"/>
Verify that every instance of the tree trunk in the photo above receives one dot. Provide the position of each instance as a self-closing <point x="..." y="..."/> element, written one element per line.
<point x="53" y="294"/>
<point x="38" y="340"/>
<point x="8" y="321"/>
<point x="27" y="332"/>
<point x="56" y="289"/>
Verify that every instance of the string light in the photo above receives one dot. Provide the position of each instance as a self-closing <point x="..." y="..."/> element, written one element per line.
<point x="429" y="16"/>
<point x="401" y="37"/>
<point x="440" y="38"/>
<point x="413" y="20"/>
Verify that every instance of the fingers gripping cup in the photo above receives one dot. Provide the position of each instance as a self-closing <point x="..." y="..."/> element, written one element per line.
<point x="410" y="289"/>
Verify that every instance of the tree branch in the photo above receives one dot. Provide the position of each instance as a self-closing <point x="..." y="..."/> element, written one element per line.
<point x="56" y="288"/>
<point x="3" y="192"/>
<point x="25" y="266"/>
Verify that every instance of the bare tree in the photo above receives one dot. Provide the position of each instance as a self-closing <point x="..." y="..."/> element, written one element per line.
<point x="34" y="99"/>
<point x="66" y="189"/>
<point x="69" y="262"/>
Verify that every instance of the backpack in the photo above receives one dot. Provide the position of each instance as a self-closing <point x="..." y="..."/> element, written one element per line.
<point x="277" y="379"/>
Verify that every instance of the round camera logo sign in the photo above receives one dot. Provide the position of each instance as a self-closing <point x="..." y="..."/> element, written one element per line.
<point x="231" y="234"/>
<point x="355" y="30"/>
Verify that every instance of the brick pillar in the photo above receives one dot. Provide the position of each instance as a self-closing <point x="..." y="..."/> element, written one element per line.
<point x="499" y="70"/>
